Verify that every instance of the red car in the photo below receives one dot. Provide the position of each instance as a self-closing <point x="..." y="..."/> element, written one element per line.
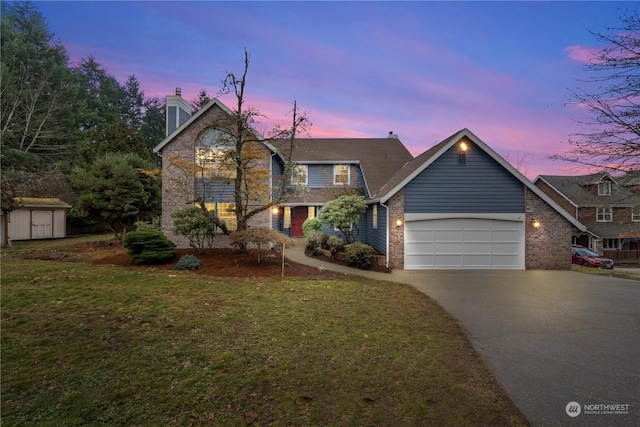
<point x="588" y="258"/>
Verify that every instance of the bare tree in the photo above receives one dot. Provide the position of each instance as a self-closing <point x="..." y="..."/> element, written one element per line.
<point x="243" y="163"/>
<point x="610" y="139"/>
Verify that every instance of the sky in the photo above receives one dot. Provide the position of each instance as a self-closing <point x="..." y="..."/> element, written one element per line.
<point x="421" y="69"/>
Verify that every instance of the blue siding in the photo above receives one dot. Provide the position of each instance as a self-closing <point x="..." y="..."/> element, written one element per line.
<point x="482" y="185"/>
<point x="321" y="176"/>
<point x="377" y="237"/>
<point x="214" y="192"/>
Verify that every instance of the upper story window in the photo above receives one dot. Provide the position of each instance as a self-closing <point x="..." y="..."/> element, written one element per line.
<point x="300" y="175"/>
<point x="341" y="175"/>
<point x="604" y="214"/>
<point x="604" y="188"/>
<point x="213" y="154"/>
<point x="635" y="215"/>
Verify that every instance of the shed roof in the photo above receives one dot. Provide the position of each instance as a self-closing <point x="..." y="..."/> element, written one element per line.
<point x="37" y="202"/>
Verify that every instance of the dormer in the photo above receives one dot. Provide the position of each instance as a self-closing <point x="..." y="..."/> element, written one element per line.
<point x="178" y="111"/>
<point x="604" y="185"/>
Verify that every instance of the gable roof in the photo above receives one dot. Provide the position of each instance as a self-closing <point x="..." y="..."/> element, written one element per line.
<point x="378" y="158"/>
<point x="576" y="190"/>
<point x="214" y="102"/>
<point x="420" y="163"/>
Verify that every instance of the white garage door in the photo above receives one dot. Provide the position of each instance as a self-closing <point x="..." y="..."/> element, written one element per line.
<point x="457" y="243"/>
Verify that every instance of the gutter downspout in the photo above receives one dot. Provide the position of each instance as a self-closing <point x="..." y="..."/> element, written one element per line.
<point x="387" y="237"/>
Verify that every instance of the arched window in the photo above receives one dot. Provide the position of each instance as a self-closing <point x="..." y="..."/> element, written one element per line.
<point x="214" y="148"/>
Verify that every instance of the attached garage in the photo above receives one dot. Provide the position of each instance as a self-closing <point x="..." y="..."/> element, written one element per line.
<point x="464" y="243"/>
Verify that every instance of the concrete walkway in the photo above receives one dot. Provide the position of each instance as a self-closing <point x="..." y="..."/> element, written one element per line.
<point x="549" y="337"/>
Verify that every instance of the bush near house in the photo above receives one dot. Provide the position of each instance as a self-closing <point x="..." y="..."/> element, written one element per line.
<point x="188" y="262"/>
<point x="360" y="254"/>
<point x="261" y="237"/>
<point x="148" y="246"/>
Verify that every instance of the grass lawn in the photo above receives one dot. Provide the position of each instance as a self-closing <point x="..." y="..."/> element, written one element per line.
<point x="616" y="272"/>
<point x="84" y="344"/>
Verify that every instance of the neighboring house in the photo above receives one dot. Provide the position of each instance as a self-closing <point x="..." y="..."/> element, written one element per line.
<point x="36" y="218"/>
<point x="609" y="206"/>
<point x="459" y="205"/>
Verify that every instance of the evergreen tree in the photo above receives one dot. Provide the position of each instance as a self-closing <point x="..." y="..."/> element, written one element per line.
<point x="37" y="107"/>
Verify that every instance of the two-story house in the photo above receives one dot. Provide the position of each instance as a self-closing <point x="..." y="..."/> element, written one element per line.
<point x="609" y="206"/>
<point x="459" y="205"/>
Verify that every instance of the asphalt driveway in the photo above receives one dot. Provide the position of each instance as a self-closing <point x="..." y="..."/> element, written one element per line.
<point x="551" y="338"/>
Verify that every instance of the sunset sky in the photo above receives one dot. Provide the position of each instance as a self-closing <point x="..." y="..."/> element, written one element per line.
<point x="423" y="70"/>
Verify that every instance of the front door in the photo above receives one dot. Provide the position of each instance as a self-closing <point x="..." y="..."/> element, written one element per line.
<point x="298" y="216"/>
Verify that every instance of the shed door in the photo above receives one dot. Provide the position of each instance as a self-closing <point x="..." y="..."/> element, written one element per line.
<point x="41" y="225"/>
<point x="464" y="243"/>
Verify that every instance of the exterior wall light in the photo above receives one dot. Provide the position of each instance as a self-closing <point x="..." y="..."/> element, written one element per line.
<point x="463" y="146"/>
<point x="535" y="223"/>
<point x="274" y="210"/>
<point x="398" y="222"/>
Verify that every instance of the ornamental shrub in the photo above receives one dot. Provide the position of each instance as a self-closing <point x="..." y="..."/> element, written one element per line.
<point x="261" y="237"/>
<point x="311" y="224"/>
<point x="148" y="246"/>
<point x="335" y="245"/>
<point x="360" y="254"/>
<point x="188" y="262"/>
<point x="313" y="241"/>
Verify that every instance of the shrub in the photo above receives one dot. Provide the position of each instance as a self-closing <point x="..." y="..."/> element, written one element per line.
<point x="313" y="241"/>
<point x="311" y="224"/>
<point x="322" y="240"/>
<point x="188" y="262"/>
<point x="335" y="245"/>
<point x="360" y="254"/>
<point x="148" y="246"/>
<point x="260" y="237"/>
<point x="193" y="223"/>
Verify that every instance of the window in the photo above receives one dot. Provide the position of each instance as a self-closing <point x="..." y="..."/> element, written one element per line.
<point x="287" y="217"/>
<point x="604" y="214"/>
<point x="604" y="188"/>
<point x="375" y="216"/>
<point x="610" y="243"/>
<point x="213" y="154"/>
<point x="299" y="175"/>
<point x="226" y="212"/>
<point x="341" y="175"/>
<point x="635" y="215"/>
<point x="311" y="212"/>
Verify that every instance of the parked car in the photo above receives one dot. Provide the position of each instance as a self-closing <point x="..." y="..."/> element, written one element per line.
<point x="588" y="258"/>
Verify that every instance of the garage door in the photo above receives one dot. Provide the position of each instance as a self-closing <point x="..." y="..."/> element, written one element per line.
<point x="455" y="243"/>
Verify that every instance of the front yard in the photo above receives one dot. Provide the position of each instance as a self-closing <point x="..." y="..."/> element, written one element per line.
<point x="88" y="344"/>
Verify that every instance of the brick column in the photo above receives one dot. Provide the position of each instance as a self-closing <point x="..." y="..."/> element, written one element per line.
<point x="396" y="234"/>
<point x="548" y="246"/>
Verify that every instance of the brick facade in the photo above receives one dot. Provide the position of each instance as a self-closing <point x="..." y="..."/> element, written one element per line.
<point x="547" y="247"/>
<point x="178" y="183"/>
<point x="396" y="233"/>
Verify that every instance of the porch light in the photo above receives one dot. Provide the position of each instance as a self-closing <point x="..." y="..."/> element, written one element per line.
<point x="398" y="222"/>
<point x="535" y="223"/>
<point x="274" y="210"/>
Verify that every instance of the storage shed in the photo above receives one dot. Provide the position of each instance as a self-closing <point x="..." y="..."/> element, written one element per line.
<point x="36" y="218"/>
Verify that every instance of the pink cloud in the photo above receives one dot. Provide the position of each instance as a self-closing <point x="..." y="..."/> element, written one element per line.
<point x="584" y="54"/>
